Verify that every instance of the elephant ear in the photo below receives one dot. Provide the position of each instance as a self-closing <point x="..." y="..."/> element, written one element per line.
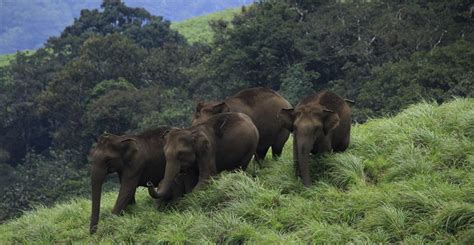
<point x="165" y="133"/>
<point x="204" y="155"/>
<point x="331" y="121"/>
<point x="286" y="118"/>
<point x="199" y="106"/>
<point x="220" y="108"/>
<point x="128" y="147"/>
<point x="200" y="142"/>
<point x="219" y="125"/>
<point x="104" y="138"/>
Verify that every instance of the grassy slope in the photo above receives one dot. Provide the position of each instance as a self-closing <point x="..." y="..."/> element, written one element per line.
<point x="409" y="178"/>
<point x="6" y="58"/>
<point x="197" y="29"/>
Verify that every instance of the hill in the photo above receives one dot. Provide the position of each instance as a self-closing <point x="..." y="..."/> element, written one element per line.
<point x="5" y="59"/>
<point x="404" y="179"/>
<point x="197" y="29"/>
<point x="28" y="24"/>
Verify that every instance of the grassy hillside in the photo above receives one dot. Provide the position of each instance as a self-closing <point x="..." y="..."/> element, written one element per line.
<point x="6" y="58"/>
<point x="197" y="29"/>
<point x="409" y="178"/>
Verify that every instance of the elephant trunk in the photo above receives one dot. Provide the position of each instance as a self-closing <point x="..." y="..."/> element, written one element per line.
<point x="152" y="191"/>
<point x="172" y="170"/>
<point x="303" y="148"/>
<point x="97" y="179"/>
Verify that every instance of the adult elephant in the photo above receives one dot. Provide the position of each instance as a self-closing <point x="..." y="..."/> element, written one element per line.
<point x="262" y="106"/>
<point x="320" y="123"/>
<point x="137" y="159"/>
<point x="226" y="141"/>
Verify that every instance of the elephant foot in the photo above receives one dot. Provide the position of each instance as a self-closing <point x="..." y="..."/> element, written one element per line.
<point x="132" y="201"/>
<point x="307" y="182"/>
<point x="160" y="205"/>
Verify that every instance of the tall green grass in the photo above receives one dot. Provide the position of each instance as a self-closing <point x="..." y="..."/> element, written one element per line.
<point x="406" y="179"/>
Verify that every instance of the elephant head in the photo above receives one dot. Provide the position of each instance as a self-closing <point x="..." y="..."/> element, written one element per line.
<point x="111" y="154"/>
<point x="205" y="110"/>
<point x="186" y="151"/>
<point x="180" y="156"/>
<point x="310" y="125"/>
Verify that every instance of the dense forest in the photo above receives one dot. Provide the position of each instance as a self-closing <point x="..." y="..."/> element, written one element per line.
<point x="121" y="69"/>
<point x="27" y="24"/>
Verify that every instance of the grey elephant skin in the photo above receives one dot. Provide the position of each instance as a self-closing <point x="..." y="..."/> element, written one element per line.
<point x="262" y="106"/>
<point x="320" y="123"/>
<point x="137" y="159"/>
<point x="226" y="141"/>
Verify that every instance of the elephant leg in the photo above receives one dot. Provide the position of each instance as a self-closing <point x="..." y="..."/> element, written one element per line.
<point x="132" y="200"/>
<point x="260" y="154"/>
<point x="277" y="147"/>
<point x="323" y="146"/>
<point x="177" y="190"/>
<point x="342" y="146"/>
<point x="160" y="204"/>
<point x="190" y="181"/>
<point x="244" y="162"/>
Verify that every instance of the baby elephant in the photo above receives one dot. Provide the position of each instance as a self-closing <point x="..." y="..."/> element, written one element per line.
<point x="262" y="106"/>
<point x="226" y="141"/>
<point x="320" y="123"/>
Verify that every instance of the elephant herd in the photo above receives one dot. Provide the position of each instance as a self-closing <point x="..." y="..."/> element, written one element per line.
<point x="224" y="135"/>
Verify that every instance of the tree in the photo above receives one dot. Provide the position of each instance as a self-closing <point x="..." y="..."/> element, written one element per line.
<point x="297" y="84"/>
<point x="436" y="75"/>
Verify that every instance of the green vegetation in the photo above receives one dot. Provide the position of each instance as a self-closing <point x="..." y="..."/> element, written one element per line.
<point x="406" y="179"/>
<point x="121" y="70"/>
<point x="5" y="59"/>
<point x="197" y="29"/>
<point x="355" y="48"/>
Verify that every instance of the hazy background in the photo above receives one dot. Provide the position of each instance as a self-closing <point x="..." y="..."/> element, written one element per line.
<point x="27" y="24"/>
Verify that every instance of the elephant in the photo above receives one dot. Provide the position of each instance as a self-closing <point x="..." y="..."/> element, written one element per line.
<point x="226" y="141"/>
<point x="138" y="159"/>
<point x="262" y="106"/>
<point x="320" y="123"/>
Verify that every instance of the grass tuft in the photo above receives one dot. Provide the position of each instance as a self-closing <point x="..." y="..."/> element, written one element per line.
<point x="454" y="217"/>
